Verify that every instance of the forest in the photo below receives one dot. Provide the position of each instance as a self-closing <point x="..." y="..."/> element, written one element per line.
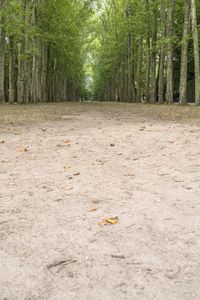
<point x="111" y="50"/>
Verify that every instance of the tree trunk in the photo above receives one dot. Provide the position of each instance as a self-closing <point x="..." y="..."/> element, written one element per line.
<point x="139" y="69"/>
<point x="196" y="51"/>
<point x="184" y="55"/>
<point x="22" y="60"/>
<point x="2" y="58"/>
<point x="153" y="56"/>
<point x="170" y="79"/>
<point x="148" y="65"/>
<point x="11" y="71"/>
<point x="162" y="56"/>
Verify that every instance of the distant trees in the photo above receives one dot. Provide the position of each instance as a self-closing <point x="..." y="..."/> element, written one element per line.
<point x="135" y="50"/>
<point x="41" y="56"/>
<point x="159" y="35"/>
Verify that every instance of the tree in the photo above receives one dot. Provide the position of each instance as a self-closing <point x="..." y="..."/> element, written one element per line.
<point x="184" y="55"/>
<point x="43" y="54"/>
<point x="2" y="55"/>
<point x="196" y="51"/>
<point x="170" y="79"/>
<point x="162" y="53"/>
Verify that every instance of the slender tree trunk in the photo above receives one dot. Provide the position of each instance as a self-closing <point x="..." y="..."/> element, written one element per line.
<point x="35" y="84"/>
<point x="184" y="55"/>
<point x="170" y="79"/>
<point x="44" y="66"/>
<point x="148" y="61"/>
<point x="162" y="56"/>
<point x="129" y="63"/>
<point x="11" y="71"/>
<point x="2" y="58"/>
<point x="139" y="69"/>
<point x="131" y="71"/>
<point x="22" y="60"/>
<point x="153" y="56"/>
<point x="196" y="51"/>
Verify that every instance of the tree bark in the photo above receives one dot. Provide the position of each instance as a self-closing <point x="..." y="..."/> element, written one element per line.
<point x="148" y="61"/>
<point x="170" y="79"/>
<point x="162" y="56"/>
<point x="139" y="69"/>
<point x="21" y="60"/>
<point x="2" y="57"/>
<point x="11" y="71"/>
<point x="196" y="51"/>
<point x="184" y="55"/>
<point x="153" y="56"/>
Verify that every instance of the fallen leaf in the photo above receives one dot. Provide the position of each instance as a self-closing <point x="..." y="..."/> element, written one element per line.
<point x="77" y="174"/>
<point x="22" y="149"/>
<point x="112" y="221"/>
<point x="93" y="209"/>
<point x="109" y="221"/>
<point x="67" y="141"/>
<point x="67" y="167"/>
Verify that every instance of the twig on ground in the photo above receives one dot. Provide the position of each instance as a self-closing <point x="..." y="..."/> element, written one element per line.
<point x="59" y="263"/>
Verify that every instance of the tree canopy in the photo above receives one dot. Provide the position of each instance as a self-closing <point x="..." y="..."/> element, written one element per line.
<point x="120" y="50"/>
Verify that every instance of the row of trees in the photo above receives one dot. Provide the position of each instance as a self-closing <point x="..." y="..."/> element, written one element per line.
<point x="41" y="53"/>
<point x="147" y="50"/>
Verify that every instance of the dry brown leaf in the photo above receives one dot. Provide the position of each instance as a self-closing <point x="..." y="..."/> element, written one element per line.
<point x="22" y="149"/>
<point x="67" y="167"/>
<point x="67" y="141"/>
<point x="112" y="221"/>
<point x="109" y="221"/>
<point x="93" y="209"/>
<point x="77" y="174"/>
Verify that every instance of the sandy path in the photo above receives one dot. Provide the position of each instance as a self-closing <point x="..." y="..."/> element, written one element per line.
<point x="150" y="179"/>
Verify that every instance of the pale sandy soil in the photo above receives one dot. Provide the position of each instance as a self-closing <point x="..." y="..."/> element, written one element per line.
<point x="49" y="213"/>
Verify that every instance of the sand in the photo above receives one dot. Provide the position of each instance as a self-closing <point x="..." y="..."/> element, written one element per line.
<point x="62" y="176"/>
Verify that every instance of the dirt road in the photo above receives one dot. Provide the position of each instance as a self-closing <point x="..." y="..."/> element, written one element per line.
<point x="68" y="169"/>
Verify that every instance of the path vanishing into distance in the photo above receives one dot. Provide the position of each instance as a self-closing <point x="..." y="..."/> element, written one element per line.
<point x="99" y="201"/>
